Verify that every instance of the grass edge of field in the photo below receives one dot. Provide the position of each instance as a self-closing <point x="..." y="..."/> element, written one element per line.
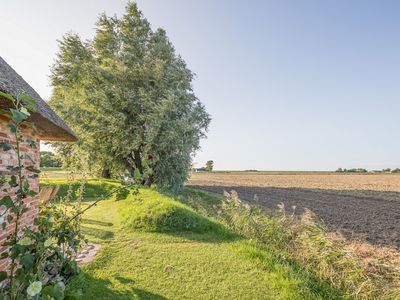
<point x="280" y="278"/>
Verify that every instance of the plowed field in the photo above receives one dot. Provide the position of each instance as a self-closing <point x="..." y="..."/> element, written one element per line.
<point x="362" y="207"/>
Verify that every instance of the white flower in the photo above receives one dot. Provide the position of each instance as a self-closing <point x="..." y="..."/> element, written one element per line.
<point x="26" y="241"/>
<point x="62" y="285"/>
<point x="24" y="111"/>
<point x="34" y="288"/>
<point x="51" y="220"/>
<point x="48" y="242"/>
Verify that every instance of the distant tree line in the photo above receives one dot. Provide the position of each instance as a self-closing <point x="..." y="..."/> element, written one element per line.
<point x="49" y="160"/>
<point x="207" y="168"/>
<point x="354" y="170"/>
<point x="362" y="170"/>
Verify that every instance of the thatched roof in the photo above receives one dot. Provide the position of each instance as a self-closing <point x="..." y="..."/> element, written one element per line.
<point x="53" y="128"/>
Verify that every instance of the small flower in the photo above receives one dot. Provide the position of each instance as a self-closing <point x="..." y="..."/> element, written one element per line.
<point x="48" y="242"/>
<point x="24" y="195"/>
<point x="51" y="220"/>
<point x="34" y="288"/>
<point x="62" y="285"/>
<point x="281" y="206"/>
<point x="149" y="157"/>
<point x="26" y="241"/>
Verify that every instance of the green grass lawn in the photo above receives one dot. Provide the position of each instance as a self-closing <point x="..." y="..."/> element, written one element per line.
<point x="94" y="188"/>
<point x="53" y="173"/>
<point x="145" y="255"/>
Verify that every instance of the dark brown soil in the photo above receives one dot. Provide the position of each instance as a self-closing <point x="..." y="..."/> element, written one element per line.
<point x="371" y="217"/>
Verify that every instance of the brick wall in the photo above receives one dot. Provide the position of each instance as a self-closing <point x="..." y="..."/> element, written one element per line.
<point x="10" y="158"/>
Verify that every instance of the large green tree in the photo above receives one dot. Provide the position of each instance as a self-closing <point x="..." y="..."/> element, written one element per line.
<point x="129" y="97"/>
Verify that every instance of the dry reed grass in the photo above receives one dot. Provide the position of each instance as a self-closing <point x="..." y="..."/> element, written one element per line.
<point x="362" y="271"/>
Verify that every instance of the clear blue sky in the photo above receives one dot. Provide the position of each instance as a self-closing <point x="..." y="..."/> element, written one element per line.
<point x="290" y="85"/>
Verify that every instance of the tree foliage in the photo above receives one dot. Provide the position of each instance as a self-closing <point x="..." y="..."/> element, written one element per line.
<point x="209" y="165"/>
<point x="354" y="170"/>
<point x="129" y="97"/>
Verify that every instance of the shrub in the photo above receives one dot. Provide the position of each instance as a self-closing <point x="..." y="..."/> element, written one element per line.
<point x="49" y="160"/>
<point x="152" y="212"/>
<point x="209" y="166"/>
<point x="45" y="256"/>
<point x="42" y="256"/>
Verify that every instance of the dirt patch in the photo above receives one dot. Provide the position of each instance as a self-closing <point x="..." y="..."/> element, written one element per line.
<point x="309" y="180"/>
<point x="364" y="216"/>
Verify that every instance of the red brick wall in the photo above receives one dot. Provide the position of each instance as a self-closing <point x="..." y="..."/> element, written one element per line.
<point x="10" y="158"/>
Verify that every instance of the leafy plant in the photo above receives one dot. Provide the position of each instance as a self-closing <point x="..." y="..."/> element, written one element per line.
<point x="41" y="257"/>
<point x="17" y="181"/>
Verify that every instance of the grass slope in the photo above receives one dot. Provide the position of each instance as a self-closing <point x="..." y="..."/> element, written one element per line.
<point x="179" y="263"/>
<point x="162" y="214"/>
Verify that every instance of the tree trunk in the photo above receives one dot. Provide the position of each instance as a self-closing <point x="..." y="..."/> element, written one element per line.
<point x="149" y="181"/>
<point x="105" y="173"/>
<point x="134" y="161"/>
<point x="131" y="170"/>
<point x="138" y="160"/>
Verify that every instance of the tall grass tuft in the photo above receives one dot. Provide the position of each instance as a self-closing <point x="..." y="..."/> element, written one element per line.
<point x="306" y="239"/>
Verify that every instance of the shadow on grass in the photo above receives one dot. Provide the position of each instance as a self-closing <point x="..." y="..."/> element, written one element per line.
<point x="215" y="233"/>
<point x="96" y="222"/>
<point x="97" y="233"/>
<point x="86" y="286"/>
<point x="178" y="221"/>
<point x="220" y="235"/>
<point x="202" y="202"/>
<point x="266" y="257"/>
<point x="275" y="261"/>
<point x="122" y="194"/>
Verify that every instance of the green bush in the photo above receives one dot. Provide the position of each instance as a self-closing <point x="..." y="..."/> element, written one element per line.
<point x="49" y="160"/>
<point x="41" y="255"/>
<point x="158" y="213"/>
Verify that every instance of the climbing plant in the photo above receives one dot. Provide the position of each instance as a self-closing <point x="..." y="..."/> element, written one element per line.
<point x="42" y="257"/>
<point x="38" y="260"/>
